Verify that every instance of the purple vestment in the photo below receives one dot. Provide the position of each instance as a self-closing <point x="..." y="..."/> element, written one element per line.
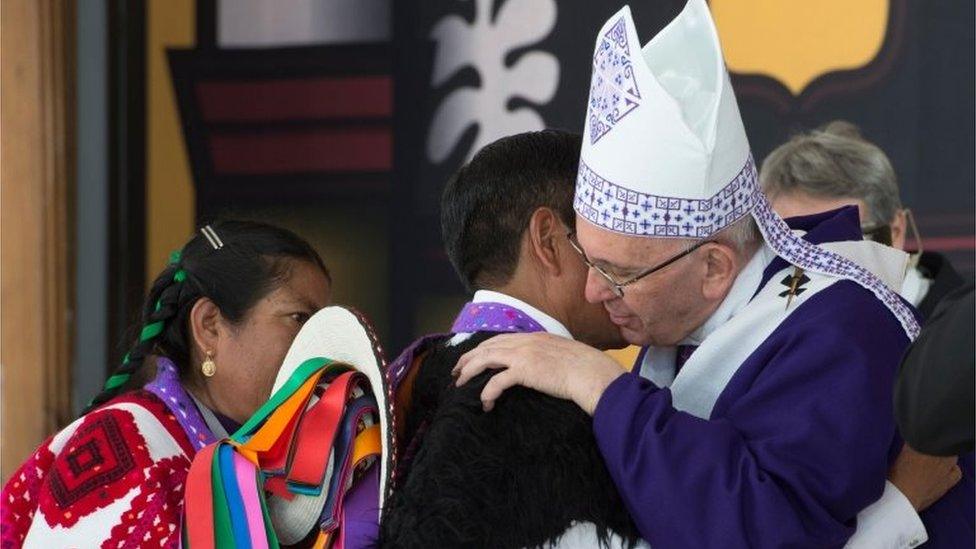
<point x="798" y="442"/>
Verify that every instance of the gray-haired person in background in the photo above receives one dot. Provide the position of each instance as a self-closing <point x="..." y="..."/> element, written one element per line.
<point x="834" y="166"/>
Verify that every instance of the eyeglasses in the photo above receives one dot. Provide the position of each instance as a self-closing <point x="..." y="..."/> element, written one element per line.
<point x="878" y="233"/>
<point x="616" y="286"/>
<point x="882" y="235"/>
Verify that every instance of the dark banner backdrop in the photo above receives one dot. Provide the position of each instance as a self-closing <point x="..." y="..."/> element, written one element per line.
<point x="467" y="72"/>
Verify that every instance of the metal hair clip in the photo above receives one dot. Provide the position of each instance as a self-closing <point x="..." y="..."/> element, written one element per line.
<point x="212" y="237"/>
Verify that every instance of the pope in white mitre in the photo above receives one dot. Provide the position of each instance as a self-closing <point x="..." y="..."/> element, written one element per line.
<point x="759" y="413"/>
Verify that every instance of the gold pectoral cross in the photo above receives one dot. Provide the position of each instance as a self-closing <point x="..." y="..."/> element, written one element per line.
<point x="794" y="284"/>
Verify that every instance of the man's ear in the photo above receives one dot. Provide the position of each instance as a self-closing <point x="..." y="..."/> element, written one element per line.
<point x="204" y="320"/>
<point x="542" y="239"/>
<point x="721" y="268"/>
<point x="899" y="229"/>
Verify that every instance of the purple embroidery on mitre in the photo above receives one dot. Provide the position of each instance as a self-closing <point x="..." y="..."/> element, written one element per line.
<point x="613" y="88"/>
<point x="626" y="211"/>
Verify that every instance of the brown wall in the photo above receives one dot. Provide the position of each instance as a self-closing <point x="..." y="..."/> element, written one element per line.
<point x="170" y="200"/>
<point x="36" y="167"/>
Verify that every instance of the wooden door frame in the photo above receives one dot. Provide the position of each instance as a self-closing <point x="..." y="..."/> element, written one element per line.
<point x="36" y="224"/>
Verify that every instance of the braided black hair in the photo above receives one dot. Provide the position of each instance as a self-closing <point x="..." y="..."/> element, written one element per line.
<point x="251" y="263"/>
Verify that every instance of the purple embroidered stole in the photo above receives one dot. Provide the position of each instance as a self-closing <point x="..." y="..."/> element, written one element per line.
<point x="474" y="317"/>
<point x="494" y="317"/>
<point x="167" y="387"/>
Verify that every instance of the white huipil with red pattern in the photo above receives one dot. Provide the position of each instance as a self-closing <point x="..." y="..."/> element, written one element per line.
<point x="113" y="478"/>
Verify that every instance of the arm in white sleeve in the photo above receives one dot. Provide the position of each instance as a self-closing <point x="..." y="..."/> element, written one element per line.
<point x="889" y="523"/>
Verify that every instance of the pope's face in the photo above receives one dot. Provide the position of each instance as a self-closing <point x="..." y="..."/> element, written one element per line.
<point x="660" y="309"/>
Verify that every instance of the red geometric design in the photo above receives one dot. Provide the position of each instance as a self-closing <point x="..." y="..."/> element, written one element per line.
<point x="105" y="444"/>
<point x="86" y="457"/>
<point x="86" y="469"/>
<point x="20" y="495"/>
<point x="153" y="519"/>
<point x="101" y="462"/>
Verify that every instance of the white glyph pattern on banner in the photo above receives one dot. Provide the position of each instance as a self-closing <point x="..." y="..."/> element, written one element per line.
<point x="483" y="45"/>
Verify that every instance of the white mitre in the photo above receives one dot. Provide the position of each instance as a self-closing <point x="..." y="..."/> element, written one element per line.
<point x="665" y="153"/>
<point x="664" y="149"/>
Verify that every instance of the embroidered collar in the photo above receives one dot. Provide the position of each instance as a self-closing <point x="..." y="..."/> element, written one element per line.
<point x="167" y="387"/>
<point x="833" y="226"/>
<point x="838" y="225"/>
<point x="741" y="293"/>
<point x="495" y="311"/>
<point x="220" y="425"/>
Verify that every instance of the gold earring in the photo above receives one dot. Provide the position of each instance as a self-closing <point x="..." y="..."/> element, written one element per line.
<point x="209" y="367"/>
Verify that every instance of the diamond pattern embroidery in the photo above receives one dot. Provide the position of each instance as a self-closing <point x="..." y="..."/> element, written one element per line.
<point x="99" y="457"/>
<point x="102" y="461"/>
<point x="613" y="89"/>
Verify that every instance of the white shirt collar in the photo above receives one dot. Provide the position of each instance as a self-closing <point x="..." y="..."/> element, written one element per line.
<point x="915" y="287"/>
<point x="744" y="287"/>
<point x="210" y="419"/>
<point x="548" y="323"/>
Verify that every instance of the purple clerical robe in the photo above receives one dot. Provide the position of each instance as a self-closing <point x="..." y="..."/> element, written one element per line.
<point x="798" y="442"/>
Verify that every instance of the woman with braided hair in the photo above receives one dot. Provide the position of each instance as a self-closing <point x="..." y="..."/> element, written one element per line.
<point x="216" y="324"/>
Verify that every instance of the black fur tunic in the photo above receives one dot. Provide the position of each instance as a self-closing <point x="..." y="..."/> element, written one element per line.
<point x="517" y="476"/>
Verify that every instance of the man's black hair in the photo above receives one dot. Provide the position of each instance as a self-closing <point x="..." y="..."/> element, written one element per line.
<point x="487" y="204"/>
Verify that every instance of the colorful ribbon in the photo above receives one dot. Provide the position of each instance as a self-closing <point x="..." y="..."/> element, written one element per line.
<point x="285" y="447"/>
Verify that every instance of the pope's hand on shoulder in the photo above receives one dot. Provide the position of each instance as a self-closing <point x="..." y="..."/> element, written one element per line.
<point x="550" y="364"/>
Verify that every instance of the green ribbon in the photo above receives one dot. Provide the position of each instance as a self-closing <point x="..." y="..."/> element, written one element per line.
<point x="298" y="378"/>
<point x="174" y="259"/>
<point x="115" y="381"/>
<point x="268" y="528"/>
<point x="150" y="331"/>
<point x="223" y="529"/>
<point x="223" y="533"/>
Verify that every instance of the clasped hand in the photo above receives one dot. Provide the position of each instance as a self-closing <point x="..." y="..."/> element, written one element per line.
<point x="550" y="364"/>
